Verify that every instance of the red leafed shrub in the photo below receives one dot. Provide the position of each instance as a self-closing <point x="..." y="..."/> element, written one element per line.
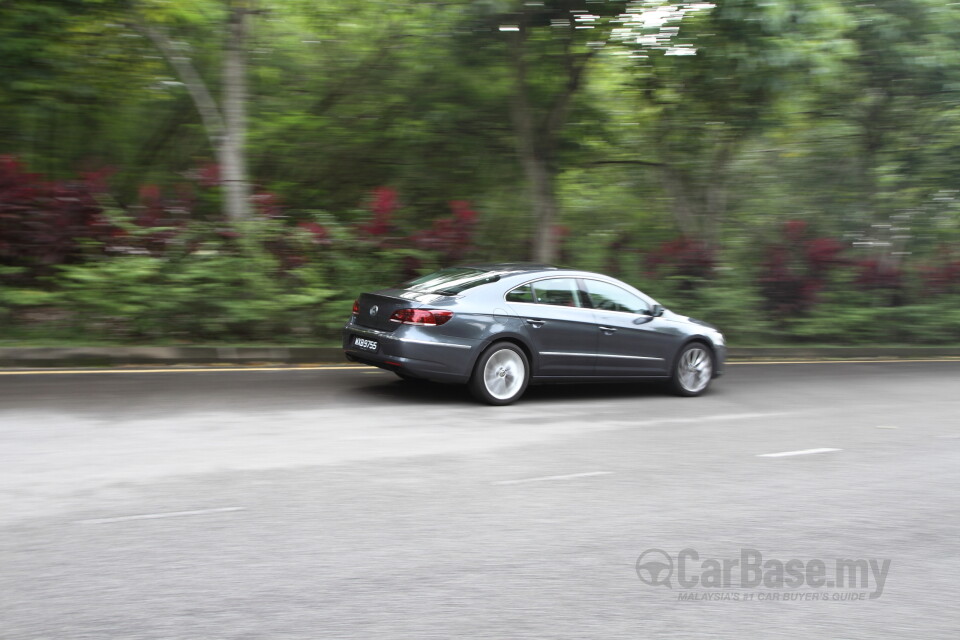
<point x="451" y="237"/>
<point x="823" y="253"/>
<point x="875" y="274"/>
<point x="267" y="205"/>
<point x="689" y="259"/>
<point x="383" y="205"/>
<point x="794" y="269"/>
<point x="162" y="216"/>
<point x="209" y="175"/>
<point x="319" y="233"/>
<point x="43" y="222"/>
<point x="941" y="278"/>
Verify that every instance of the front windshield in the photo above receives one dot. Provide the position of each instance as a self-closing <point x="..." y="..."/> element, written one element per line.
<point x="452" y="280"/>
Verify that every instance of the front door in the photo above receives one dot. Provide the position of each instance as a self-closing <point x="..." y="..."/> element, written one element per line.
<point x="559" y="325"/>
<point x="630" y="341"/>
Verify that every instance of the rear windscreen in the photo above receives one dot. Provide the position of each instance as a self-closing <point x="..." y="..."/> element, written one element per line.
<point x="452" y="281"/>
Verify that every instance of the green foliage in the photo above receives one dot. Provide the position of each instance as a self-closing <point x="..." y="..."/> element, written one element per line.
<point x="209" y="295"/>
<point x="845" y="116"/>
<point x="937" y="322"/>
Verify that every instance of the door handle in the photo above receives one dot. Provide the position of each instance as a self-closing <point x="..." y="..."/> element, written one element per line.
<point x="608" y="330"/>
<point x="536" y="322"/>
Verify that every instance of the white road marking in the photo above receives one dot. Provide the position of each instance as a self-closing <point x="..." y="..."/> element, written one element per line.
<point x="153" y="516"/>
<point x="886" y="426"/>
<point x="761" y="362"/>
<point x="802" y="452"/>
<point x="568" y="476"/>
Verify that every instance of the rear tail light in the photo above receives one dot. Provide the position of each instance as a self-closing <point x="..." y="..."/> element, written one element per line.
<point x="356" y="307"/>
<point x="425" y="317"/>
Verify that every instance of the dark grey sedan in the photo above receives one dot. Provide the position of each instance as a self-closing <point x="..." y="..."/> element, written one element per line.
<point x="500" y="327"/>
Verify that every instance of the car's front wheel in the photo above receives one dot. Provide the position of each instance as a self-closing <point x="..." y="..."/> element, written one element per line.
<point x="500" y="375"/>
<point x="692" y="370"/>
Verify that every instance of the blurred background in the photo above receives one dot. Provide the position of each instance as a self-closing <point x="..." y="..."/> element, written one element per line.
<point x="236" y="171"/>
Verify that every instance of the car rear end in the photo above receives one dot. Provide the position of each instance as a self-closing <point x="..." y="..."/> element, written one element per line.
<point x="419" y="331"/>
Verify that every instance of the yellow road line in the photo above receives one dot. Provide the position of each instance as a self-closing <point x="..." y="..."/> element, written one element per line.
<point x="41" y="372"/>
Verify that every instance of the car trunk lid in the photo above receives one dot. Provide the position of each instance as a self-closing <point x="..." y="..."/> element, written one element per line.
<point x="375" y="309"/>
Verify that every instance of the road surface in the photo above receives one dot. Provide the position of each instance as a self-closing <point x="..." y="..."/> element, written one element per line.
<point x="344" y="503"/>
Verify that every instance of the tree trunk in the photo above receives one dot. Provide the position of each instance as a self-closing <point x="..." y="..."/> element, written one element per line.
<point x="544" y="209"/>
<point x="225" y="124"/>
<point x="699" y="206"/>
<point x="233" y="164"/>
<point x="715" y="200"/>
<point x="536" y="142"/>
<point x="682" y="204"/>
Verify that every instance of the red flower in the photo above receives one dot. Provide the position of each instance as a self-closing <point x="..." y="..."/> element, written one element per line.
<point x="384" y="202"/>
<point x="320" y="233"/>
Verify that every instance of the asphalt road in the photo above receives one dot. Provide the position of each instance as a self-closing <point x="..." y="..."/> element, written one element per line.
<point x="345" y="503"/>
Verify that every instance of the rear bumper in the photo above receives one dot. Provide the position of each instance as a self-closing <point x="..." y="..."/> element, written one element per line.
<point x="415" y="351"/>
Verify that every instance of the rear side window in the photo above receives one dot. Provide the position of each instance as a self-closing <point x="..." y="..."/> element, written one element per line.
<point x="561" y="292"/>
<point x="523" y="293"/>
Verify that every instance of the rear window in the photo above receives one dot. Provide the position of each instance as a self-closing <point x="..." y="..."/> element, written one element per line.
<point x="452" y="281"/>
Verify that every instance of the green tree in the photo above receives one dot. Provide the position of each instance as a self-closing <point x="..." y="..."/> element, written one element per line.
<point x="729" y="77"/>
<point x="224" y="121"/>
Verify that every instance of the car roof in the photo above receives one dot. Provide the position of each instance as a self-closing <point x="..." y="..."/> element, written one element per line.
<point x="521" y="268"/>
<point x="515" y="267"/>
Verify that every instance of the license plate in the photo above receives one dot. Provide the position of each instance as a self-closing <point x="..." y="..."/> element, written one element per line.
<point x="365" y="343"/>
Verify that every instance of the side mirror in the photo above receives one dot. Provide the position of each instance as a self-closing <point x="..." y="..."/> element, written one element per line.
<point x="656" y="311"/>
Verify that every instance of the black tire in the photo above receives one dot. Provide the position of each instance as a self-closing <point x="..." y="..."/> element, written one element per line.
<point x="692" y="370"/>
<point x="501" y="374"/>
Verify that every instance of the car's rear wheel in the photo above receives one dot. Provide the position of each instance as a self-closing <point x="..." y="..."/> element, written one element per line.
<point x="500" y="375"/>
<point x="692" y="370"/>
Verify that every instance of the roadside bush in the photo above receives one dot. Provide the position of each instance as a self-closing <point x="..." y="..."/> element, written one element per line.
<point x="154" y="273"/>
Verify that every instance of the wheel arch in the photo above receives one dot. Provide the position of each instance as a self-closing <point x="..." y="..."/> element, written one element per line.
<point x="705" y="341"/>
<point x="512" y="339"/>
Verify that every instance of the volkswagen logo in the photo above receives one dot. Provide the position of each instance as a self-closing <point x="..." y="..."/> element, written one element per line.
<point x="374" y="309"/>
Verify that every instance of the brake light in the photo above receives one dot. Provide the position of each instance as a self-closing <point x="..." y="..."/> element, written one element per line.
<point x="356" y="307"/>
<point x="425" y="317"/>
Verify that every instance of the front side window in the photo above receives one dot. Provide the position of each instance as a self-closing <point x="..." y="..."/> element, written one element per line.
<point x="562" y="292"/>
<point x="609" y="297"/>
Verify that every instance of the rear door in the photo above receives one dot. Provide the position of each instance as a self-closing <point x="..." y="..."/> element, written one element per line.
<point x="559" y="325"/>
<point x="630" y="341"/>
